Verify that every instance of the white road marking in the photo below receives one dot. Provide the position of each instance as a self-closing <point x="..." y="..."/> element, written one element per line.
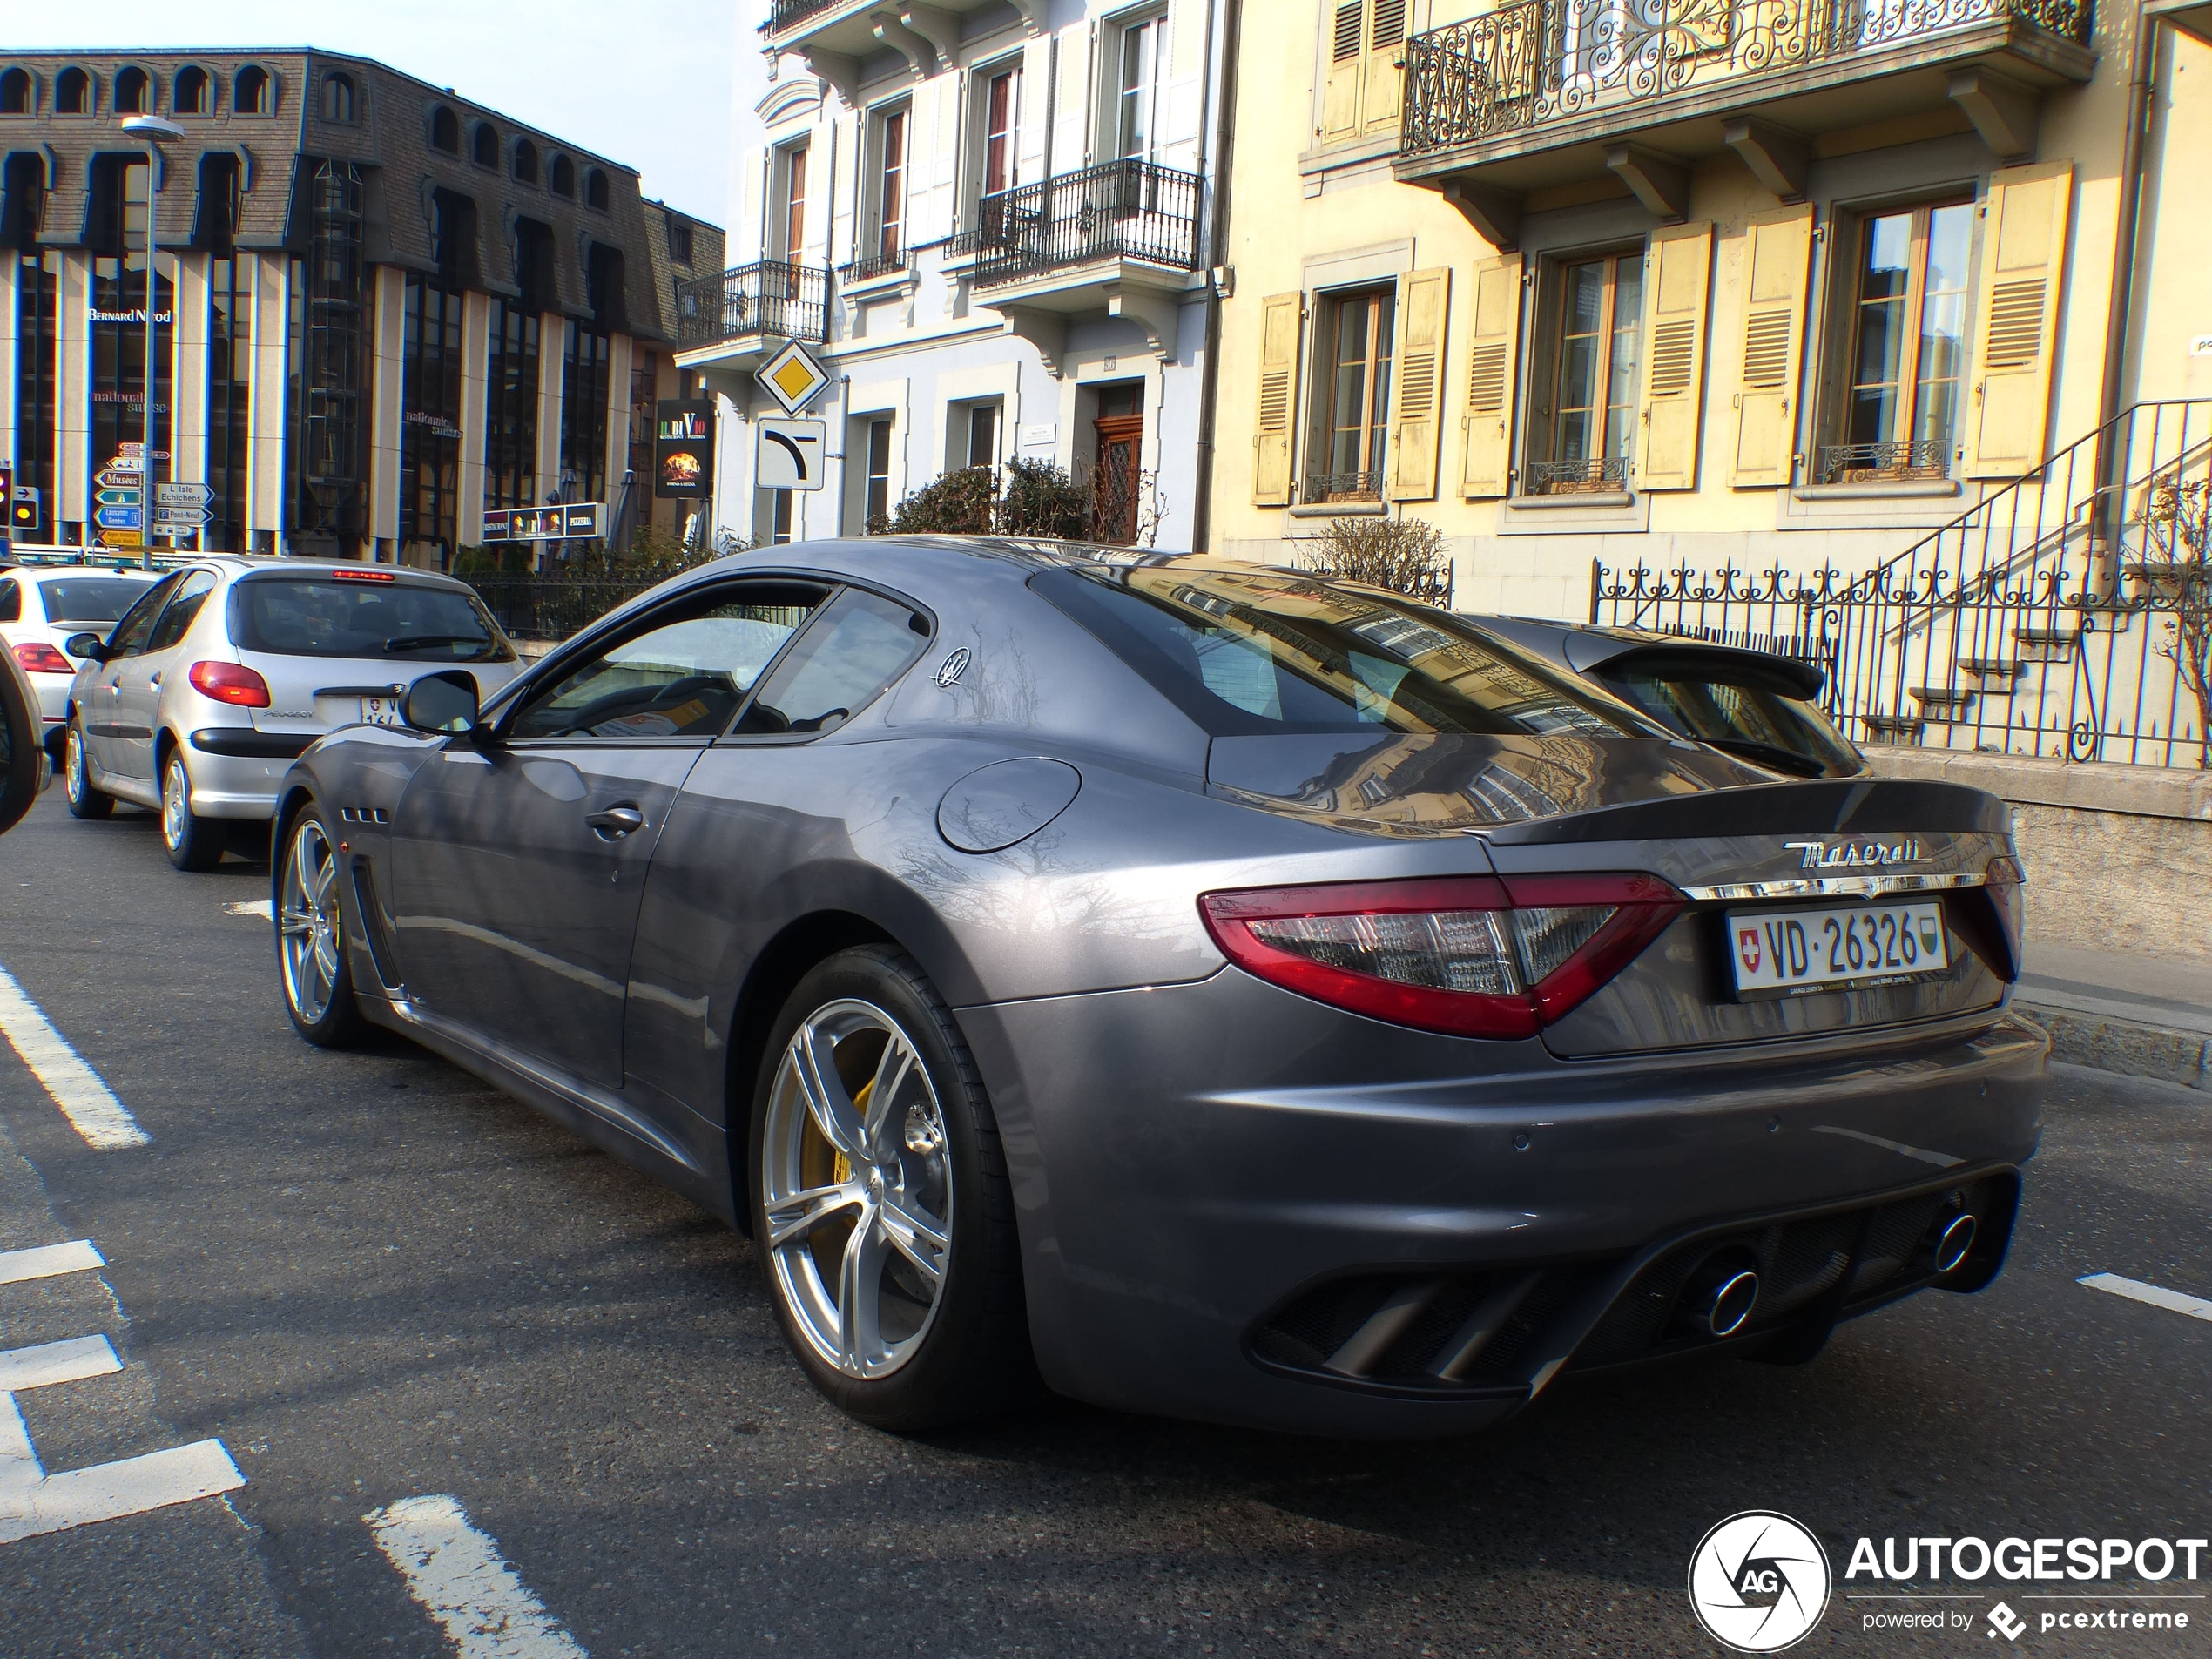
<point x="90" y="1106"/>
<point x="264" y="908"/>
<point x="2195" y="1306"/>
<point x="49" y="1261"/>
<point x="32" y="1502"/>
<point x="457" y="1573"/>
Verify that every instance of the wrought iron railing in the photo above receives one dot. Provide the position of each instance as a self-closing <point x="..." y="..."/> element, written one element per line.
<point x="1342" y="487"/>
<point x="773" y="297"/>
<point x="1534" y="61"/>
<point x="2069" y="613"/>
<point x="876" y="265"/>
<point x="1596" y="474"/>
<point x="1130" y="210"/>
<point x="789" y="14"/>
<point x="553" y="607"/>
<point x="1852" y="464"/>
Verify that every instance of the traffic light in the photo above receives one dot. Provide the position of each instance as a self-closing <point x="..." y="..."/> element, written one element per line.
<point x="26" y="513"/>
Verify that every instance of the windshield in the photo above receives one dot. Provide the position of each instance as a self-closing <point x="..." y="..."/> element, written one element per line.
<point x="1253" y="650"/>
<point x="413" y="622"/>
<point x="89" y="598"/>
<point x="1734" y="706"/>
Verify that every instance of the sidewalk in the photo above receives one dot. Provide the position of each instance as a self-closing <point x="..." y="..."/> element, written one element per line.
<point x="2145" y="1016"/>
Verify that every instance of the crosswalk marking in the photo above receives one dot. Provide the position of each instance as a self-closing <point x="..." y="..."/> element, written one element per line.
<point x="48" y="1261"/>
<point x="90" y="1106"/>
<point x="456" y="1572"/>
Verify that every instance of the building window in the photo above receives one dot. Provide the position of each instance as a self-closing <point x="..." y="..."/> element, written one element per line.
<point x="119" y="293"/>
<point x="1592" y="380"/>
<point x="525" y="162"/>
<point x="586" y="364"/>
<point x="510" y="406"/>
<point x="595" y="190"/>
<point x="215" y="225"/>
<point x="23" y="201"/>
<point x="1000" y="115"/>
<point x="980" y="436"/>
<point x="788" y="226"/>
<point x="445" y="131"/>
<point x="37" y="344"/>
<point x="327" y="393"/>
<point x="484" y="144"/>
<point x="192" y="93"/>
<point x="1907" y="330"/>
<point x="430" y="363"/>
<point x="875" y="501"/>
<point x="133" y="92"/>
<point x="635" y="511"/>
<point x="73" y="93"/>
<point x="1143" y="64"/>
<point x="230" y="374"/>
<point x="563" y="176"/>
<point x="1361" y="90"/>
<point x="338" y="98"/>
<point x="251" y="93"/>
<point x="887" y="193"/>
<point x="1352" y="410"/>
<point x="15" y="92"/>
<point x="679" y="239"/>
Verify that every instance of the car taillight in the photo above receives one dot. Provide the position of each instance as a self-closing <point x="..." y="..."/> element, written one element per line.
<point x="231" y="682"/>
<point x="365" y="576"/>
<point x="2002" y="881"/>
<point x="39" y="657"/>
<point x="1478" y="956"/>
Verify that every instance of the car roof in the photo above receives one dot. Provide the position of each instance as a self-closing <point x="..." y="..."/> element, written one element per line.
<point x="55" y="572"/>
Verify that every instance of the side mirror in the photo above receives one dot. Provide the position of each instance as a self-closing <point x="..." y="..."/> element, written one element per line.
<point x="444" y="703"/>
<point x="86" y="646"/>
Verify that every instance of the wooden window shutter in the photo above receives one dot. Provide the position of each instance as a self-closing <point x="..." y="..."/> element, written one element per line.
<point x="1677" y="274"/>
<point x="1417" y="380"/>
<point x="1347" y="71"/>
<point x="1492" y="378"/>
<point x="2023" y="265"/>
<point x="1385" y="81"/>
<point x="1281" y="315"/>
<point x="1777" y="264"/>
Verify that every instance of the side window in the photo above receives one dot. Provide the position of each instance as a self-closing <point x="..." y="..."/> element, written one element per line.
<point x="683" y="676"/>
<point x="130" y="636"/>
<point x="860" y="645"/>
<point x="10" y="602"/>
<point x="177" y="616"/>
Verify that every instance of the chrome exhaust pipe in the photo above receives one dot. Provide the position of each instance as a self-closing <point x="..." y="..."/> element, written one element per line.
<point x="1952" y="1242"/>
<point x="1720" y="1296"/>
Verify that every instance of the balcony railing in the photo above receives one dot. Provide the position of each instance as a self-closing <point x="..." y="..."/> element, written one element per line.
<point x="1326" y="488"/>
<point x="1127" y="210"/>
<point x="876" y="265"/>
<point x="789" y="14"/>
<point x="1537" y="61"/>
<point x="1858" y="463"/>
<point x="770" y="298"/>
<point x="1597" y="475"/>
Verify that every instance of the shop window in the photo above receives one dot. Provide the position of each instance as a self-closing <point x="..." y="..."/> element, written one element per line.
<point x="563" y="176"/>
<point x="133" y="92"/>
<point x="338" y="98"/>
<point x="1351" y="396"/>
<point x="484" y="144"/>
<point x="193" y="93"/>
<point x="445" y="131"/>
<point x="252" y="93"/>
<point x="1360" y="91"/>
<point x="15" y="92"/>
<point x="525" y="162"/>
<point x="1904" y="338"/>
<point x="74" y="93"/>
<point x="1585" y="394"/>
<point x="595" y="190"/>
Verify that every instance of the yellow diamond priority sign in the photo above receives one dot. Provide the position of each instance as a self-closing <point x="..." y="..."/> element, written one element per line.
<point x="793" y="378"/>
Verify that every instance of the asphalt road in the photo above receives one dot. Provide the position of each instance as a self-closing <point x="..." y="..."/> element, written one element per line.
<point x="373" y="1278"/>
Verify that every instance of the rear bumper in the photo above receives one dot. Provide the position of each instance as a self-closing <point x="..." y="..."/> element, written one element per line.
<point x="1188" y="1161"/>
<point x="236" y="771"/>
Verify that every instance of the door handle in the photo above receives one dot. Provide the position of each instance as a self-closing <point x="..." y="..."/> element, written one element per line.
<point x="615" y="821"/>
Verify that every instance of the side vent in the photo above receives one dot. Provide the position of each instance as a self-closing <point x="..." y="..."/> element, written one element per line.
<point x="379" y="940"/>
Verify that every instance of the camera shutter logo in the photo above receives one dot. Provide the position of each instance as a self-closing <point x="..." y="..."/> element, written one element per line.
<point x="1759" y="1582"/>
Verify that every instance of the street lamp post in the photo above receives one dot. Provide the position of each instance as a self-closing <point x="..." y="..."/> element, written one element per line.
<point x="155" y="132"/>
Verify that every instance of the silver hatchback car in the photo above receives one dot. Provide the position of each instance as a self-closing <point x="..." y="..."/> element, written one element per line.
<point x="224" y="673"/>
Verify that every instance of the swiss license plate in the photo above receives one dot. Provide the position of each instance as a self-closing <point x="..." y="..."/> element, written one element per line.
<point x="379" y="711"/>
<point x="1791" y="953"/>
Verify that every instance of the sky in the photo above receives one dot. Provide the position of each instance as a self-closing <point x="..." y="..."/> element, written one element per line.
<point x="647" y="84"/>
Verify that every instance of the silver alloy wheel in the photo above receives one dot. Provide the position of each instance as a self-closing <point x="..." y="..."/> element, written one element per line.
<point x="307" y="923"/>
<point x="74" y="778"/>
<point x="176" y="801"/>
<point x="856" y="1188"/>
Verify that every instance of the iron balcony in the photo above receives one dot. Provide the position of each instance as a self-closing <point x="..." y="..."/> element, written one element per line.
<point x="771" y="299"/>
<point x="1117" y="210"/>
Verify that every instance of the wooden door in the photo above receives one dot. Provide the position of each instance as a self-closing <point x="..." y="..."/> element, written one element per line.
<point x="1121" y="446"/>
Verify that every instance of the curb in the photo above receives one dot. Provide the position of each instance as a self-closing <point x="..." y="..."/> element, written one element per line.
<point x="2125" y="1046"/>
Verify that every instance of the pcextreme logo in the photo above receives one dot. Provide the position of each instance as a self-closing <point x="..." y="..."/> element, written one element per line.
<point x="1759" y="1582"/>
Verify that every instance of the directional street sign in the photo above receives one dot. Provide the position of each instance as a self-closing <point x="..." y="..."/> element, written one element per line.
<point x="793" y="378"/>
<point x="119" y="478"/>
<point x="179" y="520"/>
<point x="791" y="454"/>
<point x="127" y="496"/>
<point x="118" y="518"/>
<point x="182" y="495"/>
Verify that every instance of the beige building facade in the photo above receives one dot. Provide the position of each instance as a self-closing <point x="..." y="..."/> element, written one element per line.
<point x="1760" y="284"/>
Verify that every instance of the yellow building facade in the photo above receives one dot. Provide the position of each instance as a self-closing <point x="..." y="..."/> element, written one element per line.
<point x="1768" y="283"/>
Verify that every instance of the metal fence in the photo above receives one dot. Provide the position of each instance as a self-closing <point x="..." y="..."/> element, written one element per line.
<point x="1130" y="210"/>
<point x="771" y="297"/>
<point x="533" y="607"/>
<point x="1536" y="61"/>
<point x="2069" y="613"/>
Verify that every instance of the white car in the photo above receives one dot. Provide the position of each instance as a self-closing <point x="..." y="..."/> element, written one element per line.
<point x="217" y="680"/>
<point x="41" y="606"/>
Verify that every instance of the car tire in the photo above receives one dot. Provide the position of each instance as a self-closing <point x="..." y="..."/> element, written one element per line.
<point x="85" y="801"/>
<point x="194" y="843"/>
<point x="314" y="967"/>
<point x="914" y="1183"/>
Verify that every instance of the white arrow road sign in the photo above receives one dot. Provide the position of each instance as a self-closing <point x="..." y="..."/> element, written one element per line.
<point x="182" y="495"/>
<point x="791" y="455"/>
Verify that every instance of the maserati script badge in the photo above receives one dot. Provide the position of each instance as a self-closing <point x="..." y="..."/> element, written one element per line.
<point x="1854" y="855"/>
<point x="951" y="669"/>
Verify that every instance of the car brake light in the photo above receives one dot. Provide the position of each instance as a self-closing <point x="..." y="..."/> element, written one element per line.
<point x="1478" y="956"/>
<point x="39" y="657"/>
<point x="365" y="576"/>
<point x="231" y="682"/>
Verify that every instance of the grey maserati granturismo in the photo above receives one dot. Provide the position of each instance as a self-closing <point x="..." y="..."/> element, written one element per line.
<point x="1200" y="986"/>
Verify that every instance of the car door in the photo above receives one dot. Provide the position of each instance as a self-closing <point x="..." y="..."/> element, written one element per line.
<point x="519" y="860"/>
<point x="104" y="731"/>
<point x="139" y="684"/>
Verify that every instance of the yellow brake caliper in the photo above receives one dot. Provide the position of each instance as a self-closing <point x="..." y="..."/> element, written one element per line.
<point x="841" y="1166"/>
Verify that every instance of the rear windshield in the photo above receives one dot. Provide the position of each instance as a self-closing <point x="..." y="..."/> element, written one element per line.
<point x="1257" y="650"/>
<point x="89" y="598"/>
<point x="1732" y="705"/>
<point x="411" y="622"/>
